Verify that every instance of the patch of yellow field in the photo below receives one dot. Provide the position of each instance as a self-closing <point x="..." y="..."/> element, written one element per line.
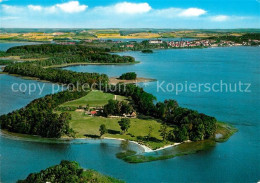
<point x="144" y="35"/>
<point x="235" y="34"/>
<point x="8" y="35"/>
<point x="108" y="35"/>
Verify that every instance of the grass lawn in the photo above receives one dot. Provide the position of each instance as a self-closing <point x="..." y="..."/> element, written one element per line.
<point x="86" y="126"/>
<point x="95" y="98"/>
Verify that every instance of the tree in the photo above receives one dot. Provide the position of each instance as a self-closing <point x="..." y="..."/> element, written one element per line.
<point x="102" y="130"/>
<point x="164" y="131"/>
<point x="124" y="124"/>
<point x="150" y="130"/>
<point x="128" y="76"/>
<point x="181" y="134"/>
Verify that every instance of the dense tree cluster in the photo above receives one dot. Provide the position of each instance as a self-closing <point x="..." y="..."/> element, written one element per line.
<point x="49" y="49"/>
<point x="143" y="101"/>
<point x="37" y="118"/>
<point x="128" y="76"/>
<point x="147" y="51"/>
<point x="55" y="75"/>
<point x="65" y="54"/>
<point x="137" y="46"/>
<point x="68" y="172"/>
<point x="117" y="108"/>
<point x="238" y="39"/>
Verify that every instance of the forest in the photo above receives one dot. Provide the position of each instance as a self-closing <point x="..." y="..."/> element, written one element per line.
<point x="128" y="76"/>
<point x="38" y="118"/>
<point x="68" y="172"/>
<point x="239" y="39"/>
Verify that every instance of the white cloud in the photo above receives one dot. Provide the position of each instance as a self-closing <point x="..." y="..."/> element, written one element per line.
<point x="12" y="9"/>
<point x="35" y="8"/>
<point x="223" y="18"/>
<point x="132" y="8"/>
<point x="69" y="7"/>
<point x="219" y="18"/>
<point x="124" y="8"/>
<point x="192" y="12"/>
<point x="179" y="12"/>
<point x="72" y="7"/>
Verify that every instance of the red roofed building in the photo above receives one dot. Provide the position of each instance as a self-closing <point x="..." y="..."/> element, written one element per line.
<point x="93" y="113"/>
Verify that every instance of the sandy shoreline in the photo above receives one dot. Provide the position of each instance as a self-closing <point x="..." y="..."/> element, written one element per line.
<point x="146" y="149"/>
<point x="115" y="80"/>
<point x="17" y="136"/>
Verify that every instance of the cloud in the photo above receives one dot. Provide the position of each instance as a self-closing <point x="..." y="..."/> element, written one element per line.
<point x="72" y="7"/>
<point x="223" y="18"/>
<point x="69" y="7"/>
<point x="124" y="8"/>
<point x="132" y="8"/>
<point x="219" y="18"/>
<point x="192" y="12"/>
<point x="179" y="12"/>
<point x="35" y="8"/>
<point x="11" y="9"/>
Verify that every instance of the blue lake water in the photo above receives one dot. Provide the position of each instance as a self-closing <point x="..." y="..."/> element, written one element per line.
<point x="6" y="46"/>
<point x="236" y="160"/>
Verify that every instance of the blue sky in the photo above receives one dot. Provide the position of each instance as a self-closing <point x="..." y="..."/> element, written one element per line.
<point x="194" y="14"/>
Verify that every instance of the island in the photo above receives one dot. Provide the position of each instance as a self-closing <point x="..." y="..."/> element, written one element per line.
<point x="121" y="111"/>
<point x="147" y="51"/>
<point x="68" y="171"/>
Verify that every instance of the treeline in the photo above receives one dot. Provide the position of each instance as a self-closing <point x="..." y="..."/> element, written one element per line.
<point x="138" y="46"/>
<point x="117" y="108"/>
<point x="187" y="124"/>
<point x="68" y="172"/>
<point x="238" y="39"/>
<point x="55" y="75"/>
<point x="128" y="76"/>
<point x="6" y="62"/>
<point x="64" y="54"/>
<point x="90" y="58"/>
<point x="50" y="49"/>
<point x="37" y="118"/>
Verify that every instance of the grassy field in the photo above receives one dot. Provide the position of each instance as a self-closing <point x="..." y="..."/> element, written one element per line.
<point x="87" y="126"/>
<point x="94" y="99"/>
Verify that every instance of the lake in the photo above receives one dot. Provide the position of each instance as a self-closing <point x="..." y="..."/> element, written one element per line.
<point x="6" y="45"/>
<point x="236" y="160"/>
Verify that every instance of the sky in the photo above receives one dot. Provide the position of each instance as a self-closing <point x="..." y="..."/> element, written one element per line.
<point x="175" y="14"/>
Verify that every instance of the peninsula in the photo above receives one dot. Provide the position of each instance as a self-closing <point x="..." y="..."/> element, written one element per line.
<point x="104" y="110"/>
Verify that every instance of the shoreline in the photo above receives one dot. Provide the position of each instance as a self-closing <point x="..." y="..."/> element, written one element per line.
<point x="35" y="138"/>
<point x="79" y="64"/>
<point x="115" y="80"/>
